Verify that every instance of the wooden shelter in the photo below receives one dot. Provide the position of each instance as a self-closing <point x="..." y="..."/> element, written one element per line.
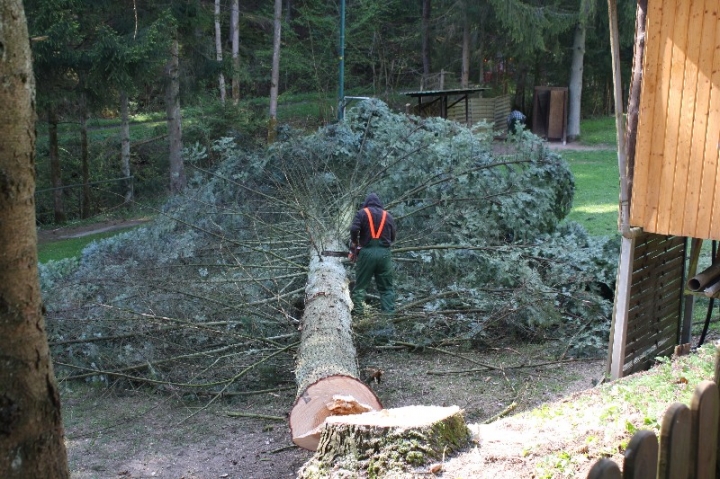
<point x="670" y="175"/>
<point x="438" y="102"/>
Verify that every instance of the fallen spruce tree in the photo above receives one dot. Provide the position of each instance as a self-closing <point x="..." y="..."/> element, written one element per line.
<point x="206" y="301"/>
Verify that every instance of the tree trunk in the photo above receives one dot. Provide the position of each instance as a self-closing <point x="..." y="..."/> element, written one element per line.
<point x="275" y="76"/>
<point x="174" y="121"/>
<point x="125" y="146"/>
<point x="218" y="51"/>
<point x="55" y="168"/>
<point x="326" y="360"/>
<point x="84" y="162"/>
<point x="31" y="429"/>
<point x="235" y="36"/>
<point x="387" y="443"/>
<point x="427" y="9"/>
<point x="465" y="74"/>
<point x="575" y="83"/>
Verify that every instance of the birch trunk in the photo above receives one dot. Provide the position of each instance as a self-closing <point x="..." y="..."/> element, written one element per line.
<point x="174" y="120"/>
<point x="125" y="146"/>
<point x="275" y="76"/>
<point x="31" y="429"/>
<point x="235" y="36"/>
<point x="218" y="51"/>
<point x="575" y="83"/>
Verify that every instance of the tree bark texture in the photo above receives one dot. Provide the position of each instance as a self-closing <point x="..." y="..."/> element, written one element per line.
<point x="174" y="120"/>
<point x="219" y="51"/>
<point x="326" y="361"/>
<point x="427" y="8"/>
<point x="235" y="37"/>
<point x="55" y="168"/>
<point x="125" y="146"/>
<point x="465" y="73"/>
<point x="275" y="75"/>
<point x="388" y="443"/>
<point x="31" y="430"/>
<point x="84" y="162"/>
<point x="575" y="83"/>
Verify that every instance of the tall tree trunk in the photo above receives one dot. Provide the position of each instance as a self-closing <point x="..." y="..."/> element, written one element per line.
<point x="55" y="168"/>
<point x="235" y="35"/>
<point x="84" y="162"/>
<point x="275" y="76"/>
<point x="465" y="74"/>
<point x="125" y="146"/>
<point x="31" y="429"/>
<point x="575" y="82"/>
<point x="481" y="46"/>
<point x="174" y="120"/>
<point x="427" y="9"/>
<point x="218" y="51"/>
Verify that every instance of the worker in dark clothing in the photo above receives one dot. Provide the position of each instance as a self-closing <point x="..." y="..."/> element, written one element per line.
<point x="514" y="120"/>
<point x="373" y="232"/>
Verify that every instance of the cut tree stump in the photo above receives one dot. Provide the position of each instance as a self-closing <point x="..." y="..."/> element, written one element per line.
<point x="387" y="443"/>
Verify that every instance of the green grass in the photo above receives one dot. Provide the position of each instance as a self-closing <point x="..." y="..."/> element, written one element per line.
<point x="596" y="190"/>
<point x="598" y="131"/>
<point x="68" y="248"/>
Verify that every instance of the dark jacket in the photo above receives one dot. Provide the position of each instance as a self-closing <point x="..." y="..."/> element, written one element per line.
<point x="360" y="228"/>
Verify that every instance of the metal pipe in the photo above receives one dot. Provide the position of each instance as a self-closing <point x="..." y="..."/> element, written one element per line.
<point x="704" y="279"/>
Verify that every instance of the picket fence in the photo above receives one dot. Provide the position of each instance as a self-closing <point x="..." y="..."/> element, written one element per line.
<point x="688" y="446"/>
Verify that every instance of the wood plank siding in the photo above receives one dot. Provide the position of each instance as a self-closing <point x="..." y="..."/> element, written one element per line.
<point x="676" y="171"/>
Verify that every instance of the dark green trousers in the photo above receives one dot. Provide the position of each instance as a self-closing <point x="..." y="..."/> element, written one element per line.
<point x="375" y="261"/>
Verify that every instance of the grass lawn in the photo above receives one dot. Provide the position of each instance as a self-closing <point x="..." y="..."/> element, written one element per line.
<point x="597" y="189"/>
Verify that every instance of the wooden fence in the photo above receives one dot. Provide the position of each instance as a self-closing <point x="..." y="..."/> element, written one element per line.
<point x="688" y="447"/>
<point x="493" y="110"/>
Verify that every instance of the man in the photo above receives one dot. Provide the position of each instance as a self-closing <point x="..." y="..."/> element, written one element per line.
<point x="515" y="118"/>
<point x="373" y="232"/>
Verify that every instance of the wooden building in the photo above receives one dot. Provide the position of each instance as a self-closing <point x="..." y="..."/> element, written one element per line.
<point x="670" y="175"/>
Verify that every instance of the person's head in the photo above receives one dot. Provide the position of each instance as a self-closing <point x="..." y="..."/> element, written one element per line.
<point x="372" y="200"/>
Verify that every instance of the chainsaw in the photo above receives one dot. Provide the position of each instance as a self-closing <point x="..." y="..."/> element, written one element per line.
<point x="351" y="255"/>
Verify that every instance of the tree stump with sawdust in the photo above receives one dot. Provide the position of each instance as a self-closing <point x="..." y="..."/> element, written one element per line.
<point x="387" y="443"/>
<point x="326" y="368"/>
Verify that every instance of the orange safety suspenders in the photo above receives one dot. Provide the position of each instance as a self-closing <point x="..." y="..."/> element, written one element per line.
<point x="375" y="234"/>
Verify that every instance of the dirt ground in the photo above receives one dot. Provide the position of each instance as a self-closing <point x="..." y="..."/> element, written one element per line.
<point x="122" y="433"/>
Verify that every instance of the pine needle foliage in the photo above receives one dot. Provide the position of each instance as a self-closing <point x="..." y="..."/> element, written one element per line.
<point x="208" y="297"/>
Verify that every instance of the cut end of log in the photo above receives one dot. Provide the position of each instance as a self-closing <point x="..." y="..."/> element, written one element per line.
<point x="329" y="396"/>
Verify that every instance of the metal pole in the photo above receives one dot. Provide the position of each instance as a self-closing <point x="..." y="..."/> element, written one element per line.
<point x="341" y="83"/>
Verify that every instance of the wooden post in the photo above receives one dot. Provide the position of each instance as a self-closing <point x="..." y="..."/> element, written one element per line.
<point x="621" y="309"/>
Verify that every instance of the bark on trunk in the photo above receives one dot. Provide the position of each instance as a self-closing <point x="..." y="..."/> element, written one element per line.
<point x="388" y="443"/>
<point x="174" y="120"/>
<point x="575" y="83"/>
<point x="125" y="146"/>
<point x="275" y="76"/>
<point x="235" y="36"/>
<point x="55" y="168"/>
<point x="427" y="8"/>
<point x="465" y="74"/>
<point x="326" y="361"/>
<point x="31" y="430"/>
<point x="218" y="51"/>
<point x="85" y="164"/>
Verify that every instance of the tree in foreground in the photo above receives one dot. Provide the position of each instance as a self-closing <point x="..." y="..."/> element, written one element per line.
<point x="31" y="431"/>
